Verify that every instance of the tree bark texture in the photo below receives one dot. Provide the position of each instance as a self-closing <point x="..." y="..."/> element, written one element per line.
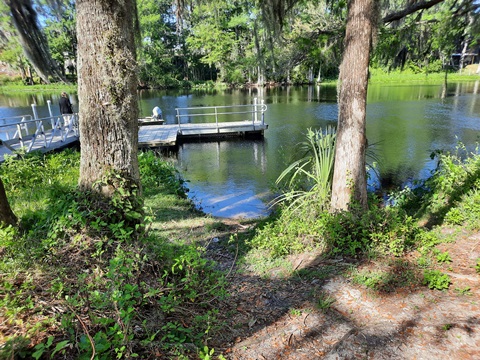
<point x="33" y="41"/>
<point x="7" y="217"/>
<point x="107" y="81"/>
<point x="349" y="178"/>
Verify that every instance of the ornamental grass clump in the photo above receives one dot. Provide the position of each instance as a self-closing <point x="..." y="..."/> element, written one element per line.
<point x="308" y="180"/>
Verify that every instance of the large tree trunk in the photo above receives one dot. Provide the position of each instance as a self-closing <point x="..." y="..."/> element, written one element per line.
<point x="33" y="41"/>
<point x="107" y="92"/>
<point x="7" y="217"/>
<point x="349" y="178"/>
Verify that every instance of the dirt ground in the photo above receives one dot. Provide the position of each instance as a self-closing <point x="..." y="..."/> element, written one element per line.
<point x="320" y="312"/>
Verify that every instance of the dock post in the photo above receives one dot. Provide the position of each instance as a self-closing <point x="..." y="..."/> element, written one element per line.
<point x="49" y="103"/>
<point x="178" y="118"/>
<point x="263" y="112"/>
<point x="34" y="110"/>
<point x="255" y="118"/>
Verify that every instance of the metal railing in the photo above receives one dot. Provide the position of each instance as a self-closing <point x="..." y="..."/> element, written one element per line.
<point x="254" y="110"/>
<point x="22" y="119"/>
<point x="45" y="128"/>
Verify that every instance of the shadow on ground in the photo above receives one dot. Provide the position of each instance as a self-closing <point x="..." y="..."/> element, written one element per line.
<point x="312" y="307"/>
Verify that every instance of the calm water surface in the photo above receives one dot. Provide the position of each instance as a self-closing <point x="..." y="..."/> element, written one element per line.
<point x="233" y="178"/>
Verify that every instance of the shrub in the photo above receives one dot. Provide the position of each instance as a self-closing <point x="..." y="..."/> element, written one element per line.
<point x="452" y="193"/>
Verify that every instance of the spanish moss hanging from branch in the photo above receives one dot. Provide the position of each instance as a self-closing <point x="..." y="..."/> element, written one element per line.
<point x="33" y="41"/>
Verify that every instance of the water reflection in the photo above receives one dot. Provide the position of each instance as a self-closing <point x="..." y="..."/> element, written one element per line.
<point x="218" y="185"/>
<point x="405" y="124"/>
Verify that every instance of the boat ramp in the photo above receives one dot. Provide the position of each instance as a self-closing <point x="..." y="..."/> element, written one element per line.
<point x="57" y="132"/>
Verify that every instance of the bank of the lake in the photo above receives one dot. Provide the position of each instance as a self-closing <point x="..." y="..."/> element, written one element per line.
<point x="197" y="285"/>
<point x="376" y="76"/>
<point x="406" y="122"/>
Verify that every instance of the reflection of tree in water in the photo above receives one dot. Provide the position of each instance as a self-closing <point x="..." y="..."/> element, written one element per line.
<point x="396" y="178"/>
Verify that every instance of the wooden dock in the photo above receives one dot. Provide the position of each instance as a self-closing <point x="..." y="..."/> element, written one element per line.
<point x="171" y="135"/>
<point x="57" y="132"/>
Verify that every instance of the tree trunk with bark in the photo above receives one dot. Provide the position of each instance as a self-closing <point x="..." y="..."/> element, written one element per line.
<point x="107" y="92"/>
<point x="349" y="178"/>
<point x="7" y="217"/>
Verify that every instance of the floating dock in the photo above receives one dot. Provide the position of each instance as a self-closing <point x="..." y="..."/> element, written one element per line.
<point x="57" y="132"/>
<point x="171" y="135"/>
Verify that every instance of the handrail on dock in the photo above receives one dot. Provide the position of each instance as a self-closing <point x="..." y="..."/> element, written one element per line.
<point x="22" y="118"/>
<point x="46" y="128"/>
<point x="254" y="109"/>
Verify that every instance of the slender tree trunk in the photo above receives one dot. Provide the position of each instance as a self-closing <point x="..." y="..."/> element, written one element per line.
<point x="260" y="59"/>
<point x="349" y="179"/>
<point x="7" y="217"/>
<point x="107" y="82"/>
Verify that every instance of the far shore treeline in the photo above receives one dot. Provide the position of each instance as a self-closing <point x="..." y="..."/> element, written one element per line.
<point x="232" y="43"/>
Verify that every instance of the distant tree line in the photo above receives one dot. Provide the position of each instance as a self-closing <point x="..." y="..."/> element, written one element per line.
<point x="243" y="42"/>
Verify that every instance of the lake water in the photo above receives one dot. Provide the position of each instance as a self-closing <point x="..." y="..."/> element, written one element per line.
<point x="233" y="178"/>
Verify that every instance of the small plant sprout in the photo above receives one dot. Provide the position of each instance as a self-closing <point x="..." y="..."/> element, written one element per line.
<point x="444" y="257"/>
<point x="295" y="312"/>
<point x="464" y="291"/>
<point x="325" y="302"/>
<point x="434" y="279"/>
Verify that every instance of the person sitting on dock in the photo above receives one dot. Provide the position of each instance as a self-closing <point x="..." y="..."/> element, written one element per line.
<point x="157" y="113"/>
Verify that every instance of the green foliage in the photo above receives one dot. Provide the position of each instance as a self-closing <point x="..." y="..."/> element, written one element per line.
<point x="287" y="234"/>
<point x="477" y="266"/>
<point x="381" y="230"/>
<point x="397" y="274"/>
<point x="128" y="296"/>
<point x="159" y="174"/>
<point x="444" y="257"/>
<point x="371" y="280"/>
<point x="384" y="230"/>
<point x="309" y="179"/>
<point x="60" y="30"/>
<point x="324" y="302"/>
<point x="464" y="291"/>
<point x="38" y="177"/>
<point x="306" y="192"/>
<point x="7" y="80"/>
<point x="434" y="279"/>
<point x="452" y="194"/>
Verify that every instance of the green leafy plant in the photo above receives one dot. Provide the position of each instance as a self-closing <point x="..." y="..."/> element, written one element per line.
<point x="295" y="312"/>
<point x="98" y="274"/>
<point x="434" y="279"/>
<point x="464" y="291"/>
<point x="444" y="257"/>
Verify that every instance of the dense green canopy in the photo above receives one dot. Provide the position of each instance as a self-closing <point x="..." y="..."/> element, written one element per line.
<point x="246" y="41"/>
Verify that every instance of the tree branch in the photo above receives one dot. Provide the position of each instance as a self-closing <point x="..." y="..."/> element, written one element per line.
<point x="410" y="10"/>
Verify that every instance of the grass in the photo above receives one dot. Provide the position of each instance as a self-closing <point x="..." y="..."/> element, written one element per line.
<point x="380" y="76"/>
<point x="44" y="88"/>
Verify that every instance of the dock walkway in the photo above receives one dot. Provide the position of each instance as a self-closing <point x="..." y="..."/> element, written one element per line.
<point x="170" y="135"/>
<point x="57" y="132"/>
